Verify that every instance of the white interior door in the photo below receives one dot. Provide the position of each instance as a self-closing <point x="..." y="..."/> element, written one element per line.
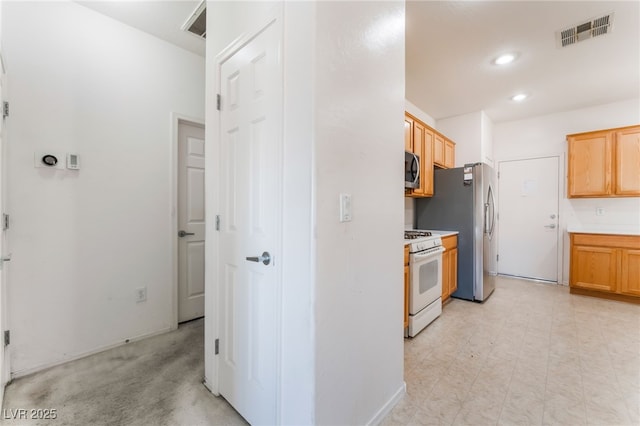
<point x="528" y="218"/>
<point x="191" y="221"/>
<point x="251" y="135"/>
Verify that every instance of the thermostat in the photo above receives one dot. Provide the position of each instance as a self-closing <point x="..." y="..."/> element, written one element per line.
<point x="73" y="162"/>
<point x="49" y="160"/>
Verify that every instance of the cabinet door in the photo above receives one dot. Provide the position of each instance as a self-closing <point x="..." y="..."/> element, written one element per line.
<point x="438" y="150"/>
<point x="408" y="134"/>
<point x="427" y="162"/>
<point x="446" y="275"/>
<point x="594" y="268"/>
<point x="627" y="142"/>
<point x="406" y="296"/>
<point x="418" y="149"/>
<point x="453" y="271"/>
<point x="630" y="283"/>
<point x="449" y="154"/>
<point x="590" y="164"/>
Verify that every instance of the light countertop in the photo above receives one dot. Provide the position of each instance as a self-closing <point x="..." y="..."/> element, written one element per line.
<point x="615" y="229"/>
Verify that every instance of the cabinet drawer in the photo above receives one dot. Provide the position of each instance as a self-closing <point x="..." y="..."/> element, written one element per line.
<point x="607" y="240"/>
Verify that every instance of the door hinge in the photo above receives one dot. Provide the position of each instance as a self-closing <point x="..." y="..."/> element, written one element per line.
<point x="217" y="348"/>
<point x="497" y="258"/>
<point x="218" y="101"/>
<point x="217" y="222"/>
<point x="5" y="109"/>
<point x="7" y="337"/>
<point x="498" y="175"/>
<point x="5" y="221"/>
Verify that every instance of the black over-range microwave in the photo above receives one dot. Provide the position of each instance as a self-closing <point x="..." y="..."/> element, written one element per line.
<point x="411" y="170"/>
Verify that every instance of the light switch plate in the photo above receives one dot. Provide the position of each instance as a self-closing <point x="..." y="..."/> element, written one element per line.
<point x="345" y="207"/>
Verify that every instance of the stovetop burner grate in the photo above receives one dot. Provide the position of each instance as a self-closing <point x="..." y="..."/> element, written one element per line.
<point x="412" y="235"/>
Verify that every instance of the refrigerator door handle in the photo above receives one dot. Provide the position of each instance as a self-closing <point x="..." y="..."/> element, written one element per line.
<point x="490" y="206"/>
<point x="486" y="218"/>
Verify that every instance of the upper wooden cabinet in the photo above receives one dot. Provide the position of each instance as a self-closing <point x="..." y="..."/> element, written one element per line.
<point x="420" y="149"/>
<point x="604" y="163"/>
<point x="443" y="152"/>
<point x="449" y="154"/>
<point x="419" y="138"/>
<point x="408" y="134"/>
<point x="627" y="161"/>
<point x="431" y="147"/>
<point x="438" y="149"/>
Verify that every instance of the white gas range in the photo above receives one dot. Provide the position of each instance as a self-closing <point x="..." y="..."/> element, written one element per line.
<point x="425" y="279"/>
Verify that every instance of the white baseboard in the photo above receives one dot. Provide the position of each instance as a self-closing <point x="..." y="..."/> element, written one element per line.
<point x="386" y="408"/>
<point x="28" y="371"/>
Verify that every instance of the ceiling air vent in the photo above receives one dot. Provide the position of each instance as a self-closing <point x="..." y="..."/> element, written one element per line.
<point x="197" y="22"/>
<point x="593" y="28"/>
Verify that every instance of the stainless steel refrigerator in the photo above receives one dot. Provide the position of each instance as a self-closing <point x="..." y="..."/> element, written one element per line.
<point x="464" y="201"/>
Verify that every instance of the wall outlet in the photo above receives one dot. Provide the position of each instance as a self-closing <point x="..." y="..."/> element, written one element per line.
<point x="599" y="211"/>
<point x="141" y="294"/>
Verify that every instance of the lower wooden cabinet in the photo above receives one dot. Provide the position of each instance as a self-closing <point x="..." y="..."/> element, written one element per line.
<point x="449" y="266"/>
<point x="630" y="272"/>
<point x="406" y="286"/>
<point x="606" y="266"/>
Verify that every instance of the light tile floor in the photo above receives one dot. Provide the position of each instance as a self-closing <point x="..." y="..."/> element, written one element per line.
<point x="532" y="354"/>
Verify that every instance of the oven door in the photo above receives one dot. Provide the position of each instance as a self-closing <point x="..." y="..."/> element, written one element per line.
<point x="425" y="279"/>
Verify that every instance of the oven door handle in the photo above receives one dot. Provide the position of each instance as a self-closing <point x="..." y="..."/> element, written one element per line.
<point x="440" y="250"/>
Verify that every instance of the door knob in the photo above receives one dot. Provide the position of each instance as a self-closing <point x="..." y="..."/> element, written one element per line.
<point x="552" y="226"/>
<point x="265" y="258"/>
<point x="184" y="233"/>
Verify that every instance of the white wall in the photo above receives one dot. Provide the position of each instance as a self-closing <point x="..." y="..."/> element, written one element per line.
<point x="419" y="114"/>
<point x="473" y="135"/>
<point x="82" y="241"/>
<point x="546" y="135"/>
<point x="359" y="114"/>
<point x="486" y="139"/>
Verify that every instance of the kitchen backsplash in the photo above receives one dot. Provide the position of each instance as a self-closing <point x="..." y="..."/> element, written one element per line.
<point x="409" y="209"/>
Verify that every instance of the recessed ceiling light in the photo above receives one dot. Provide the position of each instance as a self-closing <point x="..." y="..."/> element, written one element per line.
<point x="519" y="97"/>
<point x="505" y="59"/>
